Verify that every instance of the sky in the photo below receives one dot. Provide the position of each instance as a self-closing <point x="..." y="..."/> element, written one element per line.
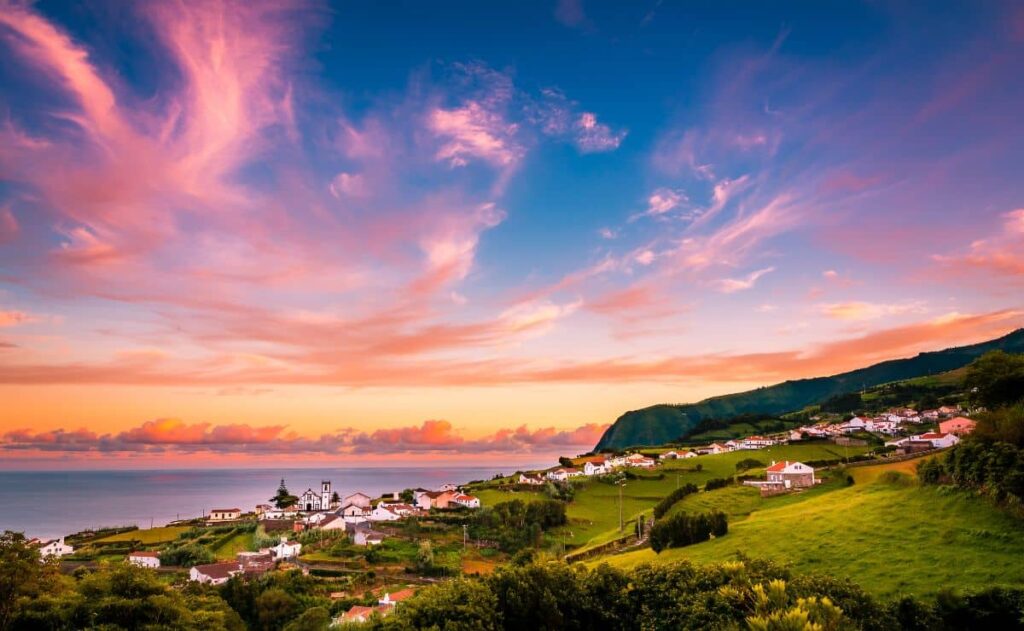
<point x="405" y="232"/>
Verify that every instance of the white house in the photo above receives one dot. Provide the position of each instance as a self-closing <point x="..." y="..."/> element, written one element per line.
<point x="669" y="455"/>
<point x="791" y="474"/>
<point x="639" y="460"/>
<point x="615" y="461"/>
<point x="596" y="467"/>
<point x="563" y="474"/>
<point x="286" y="549"/>
<point x="688" y="454"/>
<point x="534" y="479"/>
<point x="214" y="573"/>
<point x="367" y="537"/>
<point x="449" y="487"/>
<point x="55" y="548"/>
<point x="332" y="522"/>
<point x="756" y="442"/>
<point x="731" y="445"/>
<point x="716" y="448"/>
<point x="357" y="499"/>
<point x="393" y="598"/>
<point x="940" y="441"/>
<point x="225" y="514"/>
<point x="145" y="558"/>
<point x="280" y="513"/>
<point x="469" y="501"/>
<point x="384" y="512"/>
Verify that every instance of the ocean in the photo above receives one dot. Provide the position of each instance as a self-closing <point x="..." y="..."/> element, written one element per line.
<point x="49" y="504"/>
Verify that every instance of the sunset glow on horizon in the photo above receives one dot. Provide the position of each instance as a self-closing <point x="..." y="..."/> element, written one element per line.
<point x="309" y="233"/>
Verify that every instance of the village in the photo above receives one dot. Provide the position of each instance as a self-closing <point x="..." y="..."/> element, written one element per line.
<point x="320" y="532"/>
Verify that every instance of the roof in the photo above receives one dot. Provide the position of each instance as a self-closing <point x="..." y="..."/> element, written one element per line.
<point x="225" y="510"/>
<point x="328" y="519"/>
<point x="461" y="497"/>
<point x="218" y="570"/>
<point x="358" y="493"/>
<point x="932" y="436"/>
<point x="959" y="419"/>
<point x="401" y="594"/>
<point x="145" y="553"/>
<point x="357" y="612"/>
<point x="779" y="467"/>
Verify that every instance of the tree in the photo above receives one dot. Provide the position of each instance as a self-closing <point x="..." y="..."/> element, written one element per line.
<point x="565" y="462"/>
<point x="186" y="555"/>
<point x="335" y="499"/>
<point x="459" y="605"/>
<point x="407" y="496"/>
<point x="274" y="608"/>
<point x="312" y="619"/>
<point x="19" y="573"/>
<point x="284" y="499"/>
<point x="996" y="379"/>
<point x="425" y="557"/>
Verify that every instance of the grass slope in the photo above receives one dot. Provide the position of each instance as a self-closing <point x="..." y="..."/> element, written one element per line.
<point x="660" y="424"/>
<point x="240" y="542"/>
<point x="890" y="537"/>
<point x="147" y="536"/>
<point x="594" y="513"/>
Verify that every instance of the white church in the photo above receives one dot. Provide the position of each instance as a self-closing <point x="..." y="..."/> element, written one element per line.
<point x="313" y="501"/>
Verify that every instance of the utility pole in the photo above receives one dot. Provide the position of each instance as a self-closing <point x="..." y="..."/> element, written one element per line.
<point x="465" y="535"/>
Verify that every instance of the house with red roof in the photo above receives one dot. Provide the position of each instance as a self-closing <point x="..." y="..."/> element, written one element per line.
<point x="391" y="599"/>
<point x="791" y="475"/>
<point x="960" y="426"/>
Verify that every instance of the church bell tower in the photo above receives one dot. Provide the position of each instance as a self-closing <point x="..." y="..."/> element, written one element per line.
<point x="325" y="494"/>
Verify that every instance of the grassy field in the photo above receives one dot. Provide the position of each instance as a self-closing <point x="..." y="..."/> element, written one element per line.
<point x="889" y="536"/>
<point x="149" y="536"/>
<point x="594" y="513"/>
<point x="240" y="542"/>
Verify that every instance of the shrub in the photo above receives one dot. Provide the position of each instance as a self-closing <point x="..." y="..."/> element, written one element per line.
<point x="670" y="500"/>
<point x="683" y="529"/>
<point x="717" y="483"/>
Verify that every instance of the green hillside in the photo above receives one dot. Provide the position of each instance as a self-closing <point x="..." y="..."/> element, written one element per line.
<point x="659" y="424"/>
<point x="886" y="532"/>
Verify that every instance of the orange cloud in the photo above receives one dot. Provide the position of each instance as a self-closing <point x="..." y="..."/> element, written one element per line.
<point x="171" y="437"/>
<point x="1002" y="254"/>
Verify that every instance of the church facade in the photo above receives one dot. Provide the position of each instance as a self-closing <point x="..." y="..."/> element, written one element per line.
<point x="313" y="501"/>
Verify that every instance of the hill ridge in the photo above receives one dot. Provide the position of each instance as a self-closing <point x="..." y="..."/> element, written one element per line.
<point x="663" y="422"/>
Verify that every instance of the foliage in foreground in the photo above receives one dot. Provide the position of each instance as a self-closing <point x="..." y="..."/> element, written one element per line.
<point x="537" y="596"/>
<point x="748" y="594"/>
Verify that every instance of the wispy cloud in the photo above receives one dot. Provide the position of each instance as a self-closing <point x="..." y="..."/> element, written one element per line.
<point x="732" y="285"/>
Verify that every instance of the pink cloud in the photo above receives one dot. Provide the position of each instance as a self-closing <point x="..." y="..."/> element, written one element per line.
<point x="591" y="136"/>
<point x="1002" y="254"/>
<point x="732" y="285"/>
<point x="14" y="318"/>
<point x="473" y="131"/>
<point x="170" y="437"/>
<point x="8" y="226"/>
<point x="856" y="310"/>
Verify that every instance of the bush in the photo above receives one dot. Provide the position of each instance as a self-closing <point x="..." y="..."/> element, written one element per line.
<point x="683" y="529"/>
<point x="670" y="500"/>
<point x="186" y="555"/>
<point x="717" y="483"/>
